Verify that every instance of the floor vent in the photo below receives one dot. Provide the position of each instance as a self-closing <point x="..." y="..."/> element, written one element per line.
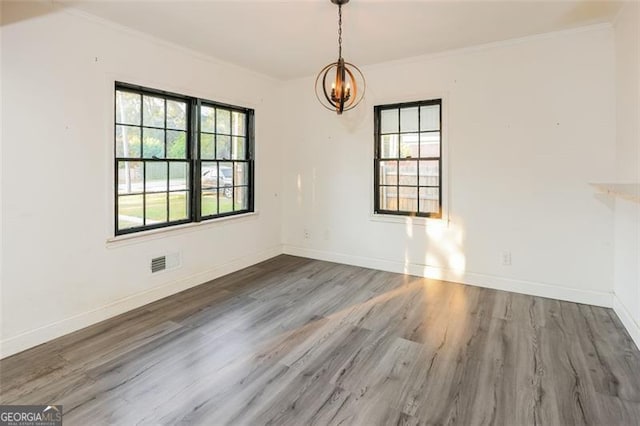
<point x="158" y="264"/>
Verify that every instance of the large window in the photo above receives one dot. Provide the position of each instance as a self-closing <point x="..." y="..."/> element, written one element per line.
<point x="179" y="159"/>
<point x="408" y="142"/>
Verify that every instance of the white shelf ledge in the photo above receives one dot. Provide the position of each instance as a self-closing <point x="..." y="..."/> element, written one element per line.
<point x="627" y="191"/>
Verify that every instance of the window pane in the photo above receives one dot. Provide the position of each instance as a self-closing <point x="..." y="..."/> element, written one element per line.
<point x="127" y="108"/>
<point x="409" y="119"/>
<point x="129" y="177"/>
<point x="153" y="143"/>
<point x="155" y="178"/>
<point x="408" y="201"/>
<point x="409" y="145"/>
<point x="430" y="144"/>
<point x="209" y="175"/>
<point x="239" y="148"/>
<point x="389" y="148"/>
<point x="130" y="214"/>
<point x="429" y="173"/>
<point x="241" y="176"/>
<point x="408" y="173"/>
<point x="430" y="117"/>
<point x="156" y="208"/>
<point x="178" y="206"/>
<point x="226" y="204"/>
<point x="176" y="144"/>
<point x="223" y="147"/>
<point x="388" y="198"/>
<point x="238" y="123"/>
<point x="226" y="175"/>
<point x="209" y="203"/>
<point x="207" y="119"/>
<point x="429" y="200"/>
<point x="207" y="146"/>
<point x="388" y="173"/>
<point x="389" y="121"/>
<point x="178" y="176"/>
<point x="241" y="198"/>
<point x="127" y="142"/>
<point x="225" y="194"/>
<point x="153" y="111"/>
<point x="223" y="121"/>
<point x="176" y="115"/>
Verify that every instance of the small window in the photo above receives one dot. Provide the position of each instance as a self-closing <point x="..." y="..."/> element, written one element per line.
<point x="408" y="159"/>
<point x="179" y="159"/>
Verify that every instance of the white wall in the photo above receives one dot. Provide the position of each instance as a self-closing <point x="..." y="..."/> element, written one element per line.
<point x="627" y="213"/>
<point x="530" y="123"/>
<point x="59" y="272"/>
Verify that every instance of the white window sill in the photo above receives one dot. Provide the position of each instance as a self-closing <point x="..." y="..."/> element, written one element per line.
<point x="170" y="231"/>
<point x="409" y="220"/>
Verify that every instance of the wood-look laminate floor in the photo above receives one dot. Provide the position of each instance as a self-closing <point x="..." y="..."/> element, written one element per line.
<point x="294" y="341"/>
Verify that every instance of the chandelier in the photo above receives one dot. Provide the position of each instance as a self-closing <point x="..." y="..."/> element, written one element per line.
<point x="345" y="90"/>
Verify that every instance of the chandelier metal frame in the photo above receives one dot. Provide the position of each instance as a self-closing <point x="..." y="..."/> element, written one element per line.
<point x="344" y="93"/>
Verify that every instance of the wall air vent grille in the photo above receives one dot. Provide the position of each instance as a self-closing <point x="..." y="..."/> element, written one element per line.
<point x="158" y="264"/>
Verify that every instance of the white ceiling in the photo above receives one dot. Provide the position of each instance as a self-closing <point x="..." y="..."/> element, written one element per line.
<point x="288" y="39"/>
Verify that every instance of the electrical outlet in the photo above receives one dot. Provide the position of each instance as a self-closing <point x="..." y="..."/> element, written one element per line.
<point x="505" y="257"/>
<point x="307" y="234"/>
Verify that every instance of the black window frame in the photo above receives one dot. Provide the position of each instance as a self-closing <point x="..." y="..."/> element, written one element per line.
<point x="378" y="157"/>
<point x="193" y="158"/>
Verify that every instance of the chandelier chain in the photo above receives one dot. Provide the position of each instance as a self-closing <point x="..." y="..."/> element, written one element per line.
<point x="339" y="31"/>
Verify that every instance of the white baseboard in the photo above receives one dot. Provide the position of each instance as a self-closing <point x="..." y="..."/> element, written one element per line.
<point x="627" y="320"/>
<point x="41" y="335"/>
<point x="558" y="292"/>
